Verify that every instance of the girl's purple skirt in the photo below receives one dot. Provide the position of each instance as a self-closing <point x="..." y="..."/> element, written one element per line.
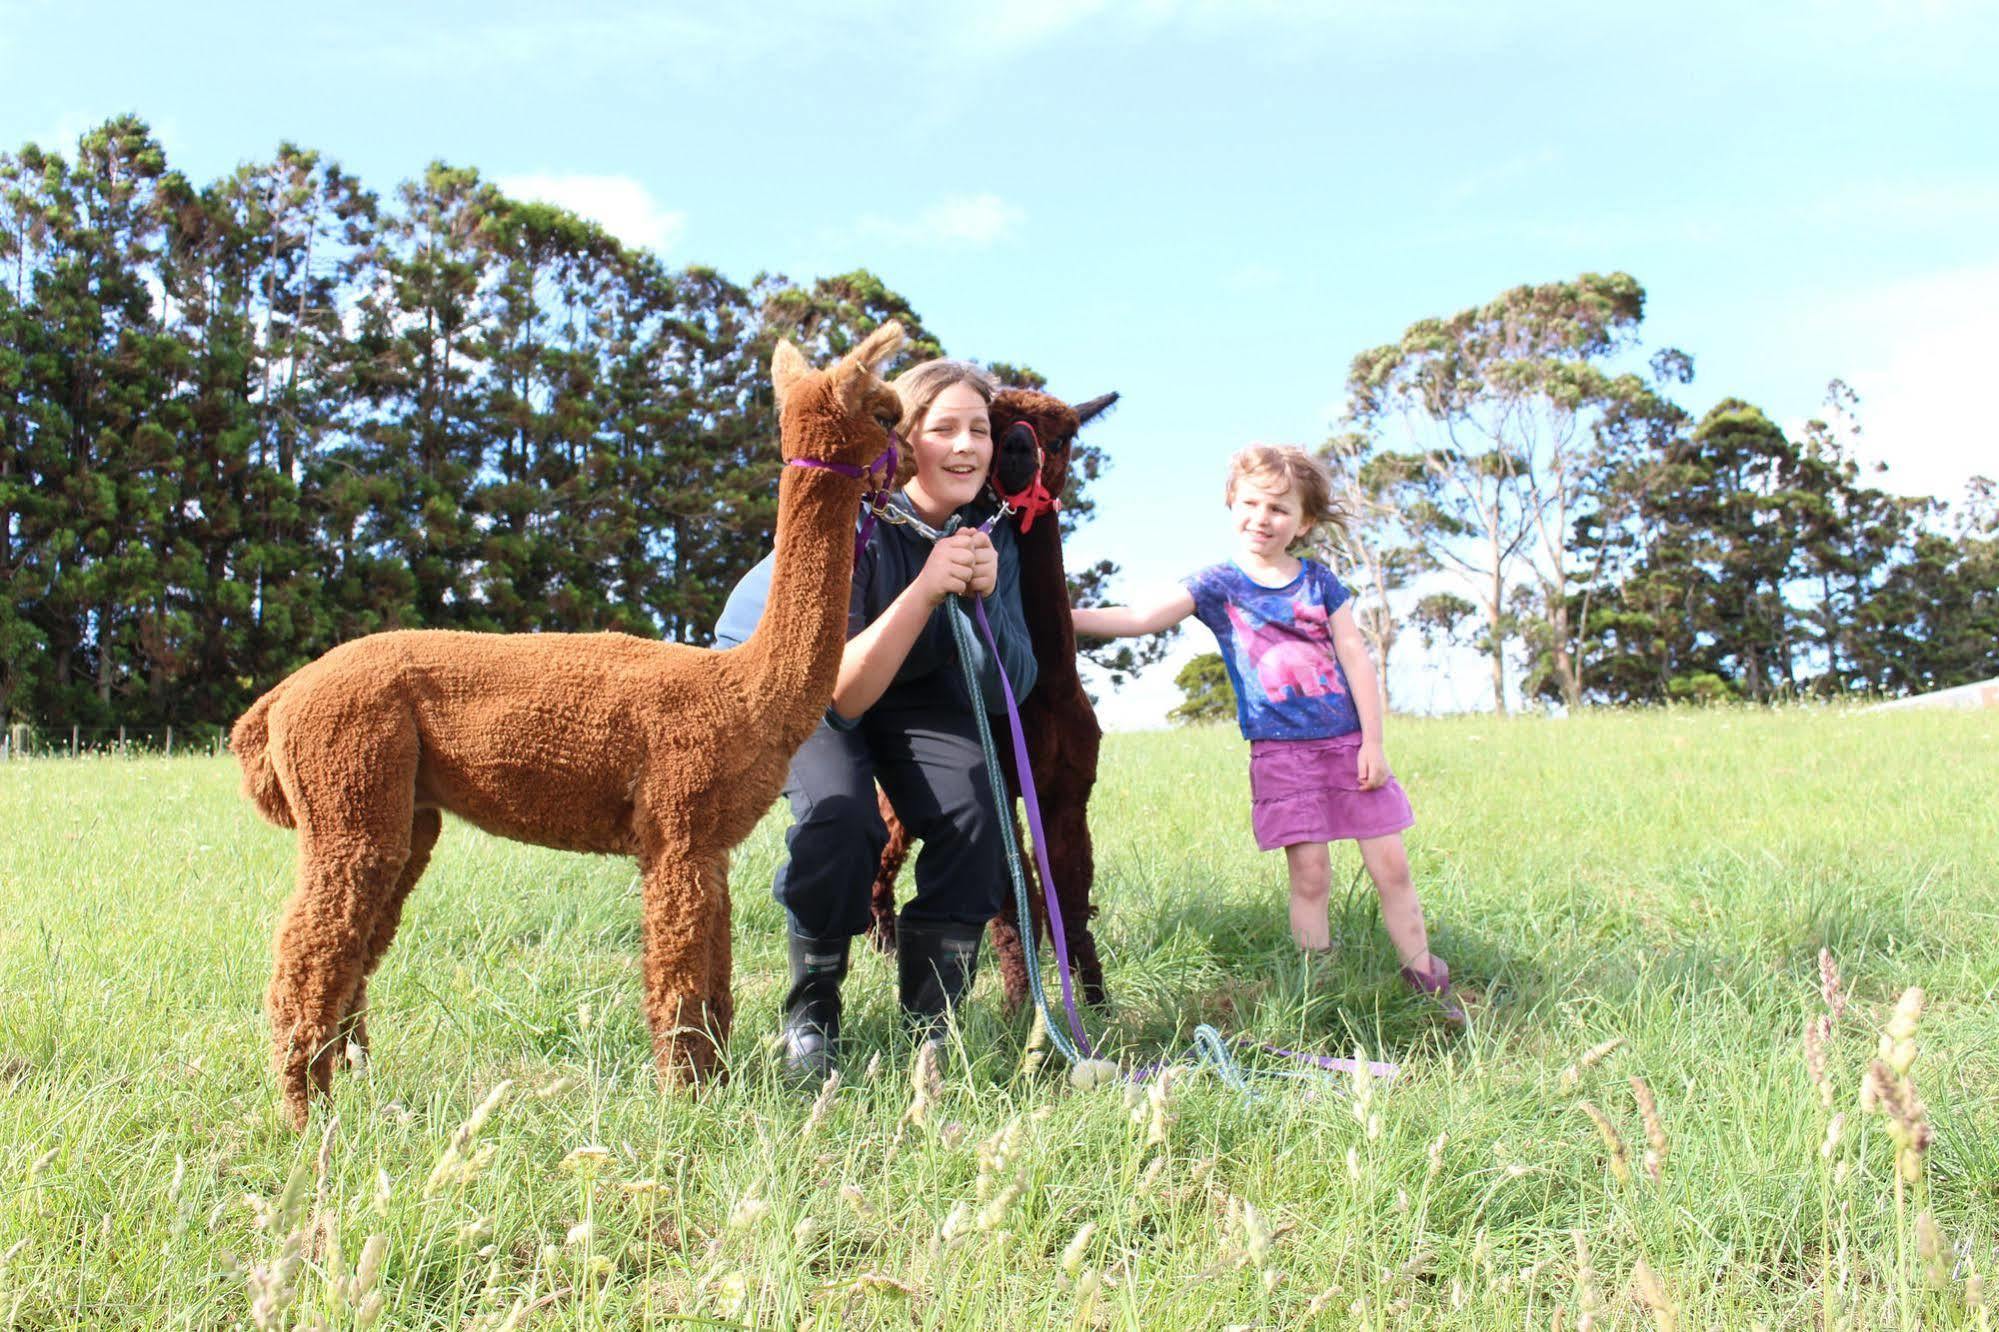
<point x="1309" y="791"/>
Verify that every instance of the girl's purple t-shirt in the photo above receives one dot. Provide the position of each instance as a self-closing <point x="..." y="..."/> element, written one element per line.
<point x="1277" y="644"/>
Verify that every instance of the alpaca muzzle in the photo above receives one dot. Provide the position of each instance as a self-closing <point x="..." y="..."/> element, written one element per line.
<point x="1016" y="475"/>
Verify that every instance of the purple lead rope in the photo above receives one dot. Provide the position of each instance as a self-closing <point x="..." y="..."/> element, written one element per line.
<point x="1023" y="770"/>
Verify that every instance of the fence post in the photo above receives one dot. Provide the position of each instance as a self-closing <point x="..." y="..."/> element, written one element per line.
<point x="121" y="740"/>
<point x="170" y="742"/>
<point x="72" y="739"/>
<point x="17" y="740"/>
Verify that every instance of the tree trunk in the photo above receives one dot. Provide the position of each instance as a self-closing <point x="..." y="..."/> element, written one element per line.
<point x="1566" y="677"/>
<point x="1494" y="611"/>
<point x="1381" y="668"/>
<point x="104" y="656"/>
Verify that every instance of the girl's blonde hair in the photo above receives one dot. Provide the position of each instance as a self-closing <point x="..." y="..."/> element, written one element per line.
<point x="919" y="386"/>
<point x="1297" y="471"/>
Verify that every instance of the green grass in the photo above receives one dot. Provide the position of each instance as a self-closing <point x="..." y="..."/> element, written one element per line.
<point x="1665" y="878"/>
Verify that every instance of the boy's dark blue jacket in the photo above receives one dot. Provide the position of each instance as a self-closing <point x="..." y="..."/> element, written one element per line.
<point x="890" y="561"/>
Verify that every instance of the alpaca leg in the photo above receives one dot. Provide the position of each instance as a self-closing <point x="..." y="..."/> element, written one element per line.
<point x="1004" y="931"/>
<point x="881" y="899"/>
<point x="1072" y="861"/>
<point x="686" y="905"/>
<point x="322" y="950"/>
<point x="423" y="836"/>
<point x="721" y="995"/>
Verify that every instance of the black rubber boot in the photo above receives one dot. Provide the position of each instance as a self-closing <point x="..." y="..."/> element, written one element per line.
<point x="811" y="1031"/>
<point x="935" y="962"/>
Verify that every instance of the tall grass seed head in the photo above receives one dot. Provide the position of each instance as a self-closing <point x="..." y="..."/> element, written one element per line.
<point x="1817" y="1031"/>
<point x="1829" y="988"/>
<point x="1898" y="1039"/>
<point x="1665" y="1316"/>
<point x="1930" y="1247"/>
<point x="1613" y="1144"/>
<point x="1256" y="1234"/>
<point x="822" y="1104"/>
<point x="1361" y="1077"/>
<point x="1833" y="1129"/>
<point x="1648" y="1114"/>
<point x="926" y="1083"/>
<point x="1078" y="1249"/>
<point x="748" y="1212"/>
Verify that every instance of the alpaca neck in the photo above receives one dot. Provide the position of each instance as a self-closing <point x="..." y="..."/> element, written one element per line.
<point x="1044" y="603"/>
<point x="793" y="658"/>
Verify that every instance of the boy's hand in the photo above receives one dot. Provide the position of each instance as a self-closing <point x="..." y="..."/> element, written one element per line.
<point x="949" y="567"/>
<point x="1372" y="766"/>
<point x="984" y="575"/>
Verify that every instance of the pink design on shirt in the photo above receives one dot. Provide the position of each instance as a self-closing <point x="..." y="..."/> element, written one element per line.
<point x="1291" y="659"/>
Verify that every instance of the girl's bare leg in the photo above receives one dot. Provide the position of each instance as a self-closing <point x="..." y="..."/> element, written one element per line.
<point x="1311" y="867"/>
<point x="1388" y="865"/>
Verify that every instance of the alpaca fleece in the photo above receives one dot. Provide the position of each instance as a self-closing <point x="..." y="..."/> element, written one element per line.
<point x="586" y="742"/>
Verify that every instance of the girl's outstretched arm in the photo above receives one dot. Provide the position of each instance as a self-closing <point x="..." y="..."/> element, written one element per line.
<point x="1145" y="617"/>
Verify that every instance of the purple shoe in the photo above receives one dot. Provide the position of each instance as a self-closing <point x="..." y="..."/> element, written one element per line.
<point x="1436" y="982"/>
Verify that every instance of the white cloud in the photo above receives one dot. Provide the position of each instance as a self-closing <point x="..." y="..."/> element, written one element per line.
<point x="1921" y="350"/>
<point x="619" y="204"/>
<point x="967" y="220"/>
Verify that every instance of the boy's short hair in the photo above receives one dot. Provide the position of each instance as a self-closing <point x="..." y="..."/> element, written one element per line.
<point x="1299" y="471"/>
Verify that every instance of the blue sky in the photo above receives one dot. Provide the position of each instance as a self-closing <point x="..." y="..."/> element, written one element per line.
<point x="1208" y="207"/>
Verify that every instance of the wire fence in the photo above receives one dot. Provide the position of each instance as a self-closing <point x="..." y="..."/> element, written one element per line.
<point x="20" y="741"/>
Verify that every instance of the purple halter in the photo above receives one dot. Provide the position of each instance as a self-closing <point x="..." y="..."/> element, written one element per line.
<point x="884" y="464"/>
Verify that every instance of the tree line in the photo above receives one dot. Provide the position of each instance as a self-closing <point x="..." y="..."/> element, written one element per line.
<point x="244" y="421"/>
<point x="1522" y="484"/>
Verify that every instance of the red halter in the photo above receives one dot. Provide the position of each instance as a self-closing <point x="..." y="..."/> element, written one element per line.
<point x="1033" y="499"/>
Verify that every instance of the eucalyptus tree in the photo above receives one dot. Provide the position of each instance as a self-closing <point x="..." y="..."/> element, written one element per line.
<point x="1376" y="550"/>
<point x="1507" y="406"/>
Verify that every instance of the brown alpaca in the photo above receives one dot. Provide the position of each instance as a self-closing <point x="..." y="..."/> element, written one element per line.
<point x="1056" y="717"/>
<point x="587" y="742"/>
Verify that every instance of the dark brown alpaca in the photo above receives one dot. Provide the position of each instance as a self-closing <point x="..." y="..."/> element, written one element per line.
<point x="1056" y="717"/>
<point x="587" y="742"/>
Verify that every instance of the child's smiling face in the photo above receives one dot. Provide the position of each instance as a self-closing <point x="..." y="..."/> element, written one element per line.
<point x="1267" y="516"/>
<point x="954" y="447"/>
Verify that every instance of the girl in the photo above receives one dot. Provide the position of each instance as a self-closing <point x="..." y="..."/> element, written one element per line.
<point x="901" y="716"/>
<point x="1306" y="699"/>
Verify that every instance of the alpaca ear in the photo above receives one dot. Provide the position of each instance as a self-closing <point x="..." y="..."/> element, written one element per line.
<point x="879" y="345"/>
<point x="1094" y="407"/>
<point x="856" y="370"/>
<point x="787" y="367"/>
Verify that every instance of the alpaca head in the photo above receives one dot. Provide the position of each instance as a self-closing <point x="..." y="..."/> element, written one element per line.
<point x="1054" y="424"/>
<point x="842" y="414"/>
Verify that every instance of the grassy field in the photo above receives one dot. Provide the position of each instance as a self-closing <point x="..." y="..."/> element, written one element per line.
<point x="1666" y="881"/>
